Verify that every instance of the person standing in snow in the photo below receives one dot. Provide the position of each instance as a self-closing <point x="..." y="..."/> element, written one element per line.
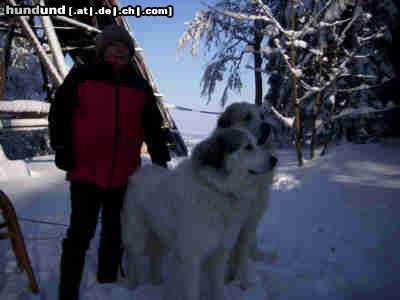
<point x="99" y="119"/>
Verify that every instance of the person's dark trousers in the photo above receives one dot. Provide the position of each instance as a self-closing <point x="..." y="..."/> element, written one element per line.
<point x="86" y="202"/>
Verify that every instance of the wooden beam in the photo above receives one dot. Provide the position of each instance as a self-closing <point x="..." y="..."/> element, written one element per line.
<point x="4" y="27"/>
<point x="54" y="43"/>
<point x="119" y="19"/>
<point x="77" y="23"/>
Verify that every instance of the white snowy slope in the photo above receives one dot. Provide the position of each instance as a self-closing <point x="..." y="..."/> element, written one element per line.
<point x="331" y="231"/>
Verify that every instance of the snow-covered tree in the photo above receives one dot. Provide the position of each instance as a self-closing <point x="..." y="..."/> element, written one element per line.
<point x="229" y="40"/>
<point x="321" y="57"/>
<point x="352" y="66"/>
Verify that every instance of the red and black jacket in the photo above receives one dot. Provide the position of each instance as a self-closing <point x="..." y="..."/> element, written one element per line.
<point x="98" y="122"/>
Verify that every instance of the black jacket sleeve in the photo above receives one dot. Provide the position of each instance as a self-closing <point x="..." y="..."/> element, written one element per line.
<point x="60" y="120"/>
<point x="154" y="136"/>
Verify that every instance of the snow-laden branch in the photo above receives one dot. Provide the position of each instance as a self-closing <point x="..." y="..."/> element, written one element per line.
<point x="289" y="34"/>
<point x="295" y="71"/>
<point x="286" y="121"/>
<point x="197" y="27"/>
<point x="323" y="24"/>
<point x="362" y="87"/>
<point x="269" y="18"/>
<point x="314" y="19"/>
<point x="356" y="15"/>
<point x="334" y="76"/>
<point x="352" y="112"/>
<point x="376" y="35"/>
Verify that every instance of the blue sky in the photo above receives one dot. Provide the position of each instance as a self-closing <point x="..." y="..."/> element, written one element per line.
<point x="179" y="80"/>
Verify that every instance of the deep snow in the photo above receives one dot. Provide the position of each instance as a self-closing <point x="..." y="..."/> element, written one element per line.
<point x="331" y="232"/>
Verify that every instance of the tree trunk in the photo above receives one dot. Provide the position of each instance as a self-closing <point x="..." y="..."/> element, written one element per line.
<point x="335" y="60"/>
<point x="318" y="98"/>
<point x="295" y="98"/>
<point x="314" y="124"/>
<point x="258" y="63"/>
<point x="330" y="133"/>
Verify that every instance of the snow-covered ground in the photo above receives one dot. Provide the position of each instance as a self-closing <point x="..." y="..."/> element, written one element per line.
<point x="332" y="230"/>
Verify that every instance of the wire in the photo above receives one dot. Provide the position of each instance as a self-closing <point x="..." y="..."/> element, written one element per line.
<point x="178" y="107"/>
<point x="42" y="222"/>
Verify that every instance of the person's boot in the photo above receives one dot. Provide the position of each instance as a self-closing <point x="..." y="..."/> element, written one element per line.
<point x="109" y="264"/>
<point x="71" y="269"/>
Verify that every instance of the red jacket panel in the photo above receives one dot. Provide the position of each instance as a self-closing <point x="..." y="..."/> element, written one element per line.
<point x="107" y="133"/>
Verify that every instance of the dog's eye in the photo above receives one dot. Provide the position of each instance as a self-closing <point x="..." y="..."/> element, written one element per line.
<point x="249" y="147"/>
<point x="248" y="117"/>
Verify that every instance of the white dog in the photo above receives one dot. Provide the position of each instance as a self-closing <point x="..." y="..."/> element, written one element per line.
<point x="196" y="210"/>
<point x="250" y="117"/>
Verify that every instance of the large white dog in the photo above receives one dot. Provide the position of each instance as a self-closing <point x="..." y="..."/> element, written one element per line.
<point x="196" y="210"/>
<point x="250" y="117"/>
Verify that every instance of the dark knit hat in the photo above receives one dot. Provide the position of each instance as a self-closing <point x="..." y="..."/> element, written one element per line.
<point x="111" y="33"/>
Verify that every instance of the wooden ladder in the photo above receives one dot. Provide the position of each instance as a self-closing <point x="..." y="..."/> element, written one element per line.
<point x="17" y="241"/>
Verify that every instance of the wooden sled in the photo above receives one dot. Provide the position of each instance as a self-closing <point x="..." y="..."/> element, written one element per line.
<point x="17" y="241"/>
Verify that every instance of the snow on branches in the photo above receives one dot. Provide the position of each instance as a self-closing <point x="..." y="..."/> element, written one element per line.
<point x="327" y="47"/>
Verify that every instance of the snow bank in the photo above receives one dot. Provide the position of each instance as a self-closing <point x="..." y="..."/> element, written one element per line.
<point x="329" y="233"/>
<point x="12" y="169"/>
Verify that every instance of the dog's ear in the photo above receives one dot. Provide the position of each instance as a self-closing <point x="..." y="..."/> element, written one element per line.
<point x="213" y="151"/>
<point x="210" y="152"/>
<point x="224" y="121"/>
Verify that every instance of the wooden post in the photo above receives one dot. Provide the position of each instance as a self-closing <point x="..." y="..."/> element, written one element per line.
<point x="54" y="43"/>
<point x="17" y="241"/>
<point x="78" y="24"/>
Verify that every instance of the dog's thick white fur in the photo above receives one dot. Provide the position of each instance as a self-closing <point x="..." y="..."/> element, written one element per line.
<point x="196" y="210"/>
<point x="250" y="117"/>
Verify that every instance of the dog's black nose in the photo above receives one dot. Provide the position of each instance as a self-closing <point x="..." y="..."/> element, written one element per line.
<point x="265" y="131"/>
<point x="273" y="160"/>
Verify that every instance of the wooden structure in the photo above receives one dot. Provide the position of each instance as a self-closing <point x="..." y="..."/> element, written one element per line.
<point x="17" y="241"/>
<point x="76" y="36"/>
